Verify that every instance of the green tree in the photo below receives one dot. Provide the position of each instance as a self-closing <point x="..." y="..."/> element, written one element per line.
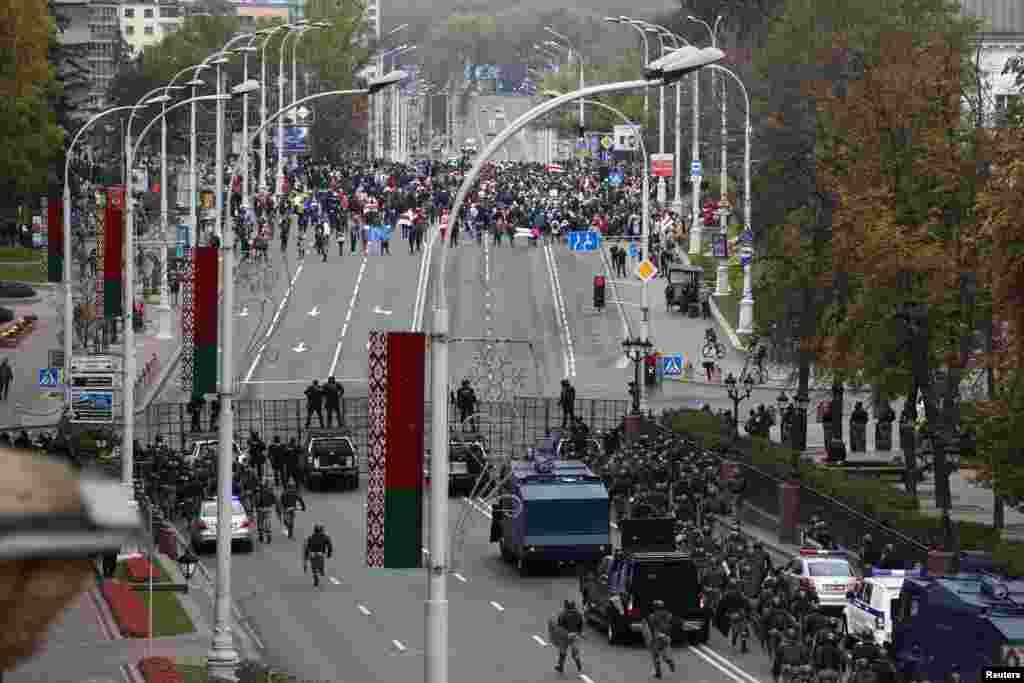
<point x="30" y="136"/>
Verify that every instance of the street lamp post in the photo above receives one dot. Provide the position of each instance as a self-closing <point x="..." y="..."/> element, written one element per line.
<point x="738" y="396"/>
<point x="722" y="287"/>
<point x="436" y="659"/>
<point x="128" y="432"/>
<point x="637" y="349"/>
<point x="293" y="30"/>
<point x="579" y="59"/>
<point x="69" y="330"/>
<point x="268" y="33"/>
<point x="677" y="201"/>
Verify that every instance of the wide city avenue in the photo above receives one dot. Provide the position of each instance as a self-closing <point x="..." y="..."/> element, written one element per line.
<point x="382" y="342"/>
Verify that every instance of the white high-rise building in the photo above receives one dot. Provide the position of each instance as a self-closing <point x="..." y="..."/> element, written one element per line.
<point x="373" y="18"/>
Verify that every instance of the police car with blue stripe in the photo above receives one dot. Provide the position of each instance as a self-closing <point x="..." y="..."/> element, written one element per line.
<point x="870" y="606"/>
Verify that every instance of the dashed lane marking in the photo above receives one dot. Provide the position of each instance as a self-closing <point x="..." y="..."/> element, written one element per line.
<point x="334" y="580"/>
<point x="497" y="606"/>
<point x="540" y="641"/>
<point x="586" y="679"/>
<point x="348" y="315"/>
<point x="363" y="609"/>
<point x="723" y="664"/>
<point x="459" y="576"/>
<point x="398" y="645"/>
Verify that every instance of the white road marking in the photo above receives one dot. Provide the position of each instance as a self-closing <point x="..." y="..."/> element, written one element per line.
<point x="722" y="664"/>
<point x="274" y="322"/>
<point x="497" y="606"/>
<point x="569" y="352"/>
<point x="540" y="641"/>
<point x="334" y="580"/>
<point x="614" y="525"/>
<point x="459" y="576"/>
<point x="398" y="645"/>
<point x="300" y="348"/>
<point x="315" y="312"/>
<point x="586" y="679"/>
<point x="381" y="311"/>
<point x="424" y="277"/>
<point x="348" y="315"/>
<point x="365" y="611"/>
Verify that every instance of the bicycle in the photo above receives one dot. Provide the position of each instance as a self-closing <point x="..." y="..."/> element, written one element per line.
<point x="713" y="349"/>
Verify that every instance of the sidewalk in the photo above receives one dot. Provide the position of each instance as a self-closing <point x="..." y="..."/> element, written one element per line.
<point x="28" y="405"/>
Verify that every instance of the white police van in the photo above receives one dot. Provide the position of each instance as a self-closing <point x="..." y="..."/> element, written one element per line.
<point x="871" y="605"/>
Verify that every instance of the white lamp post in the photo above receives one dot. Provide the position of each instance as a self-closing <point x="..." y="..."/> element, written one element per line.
<point x="657" y="73"/>
<point x="269" y="33"/>
<point x="293" y="30"/>
<point x="69" y="332"/>
<point x="128" y="433"/>
<point x="193" y="180"/>
<point x="579" y="58"/>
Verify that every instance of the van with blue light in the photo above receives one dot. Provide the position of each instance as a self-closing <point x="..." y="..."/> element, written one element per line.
<point x="870" y="606"/>
<point x="970" y="621"/>
<point x="560" y="515"/>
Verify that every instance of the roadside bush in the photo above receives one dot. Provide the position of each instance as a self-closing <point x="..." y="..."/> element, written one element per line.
<point x="128" y="608"/>
<point x="160" y="670"/>
<point x="16" y="290"/>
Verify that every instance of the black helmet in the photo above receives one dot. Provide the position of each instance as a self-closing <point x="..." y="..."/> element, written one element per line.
<point x="570" y="604"/>
<point x="658" y="604"/>
<point x="318" y="528"/>
<point x="791" y="633"/>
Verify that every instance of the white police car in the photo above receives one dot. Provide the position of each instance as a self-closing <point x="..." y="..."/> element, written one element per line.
<point x="871" y="605"/>
<point x="827" y="573"/>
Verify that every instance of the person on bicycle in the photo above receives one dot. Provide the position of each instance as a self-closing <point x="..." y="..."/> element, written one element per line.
<point x="571" y="620"/>
<point x="659" y="621"/>
<point x="290" y="499"/>
<point x="266" y="501"/>
<point x="318" y="546"/>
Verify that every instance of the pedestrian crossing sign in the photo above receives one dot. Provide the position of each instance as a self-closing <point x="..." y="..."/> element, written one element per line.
<point x="672" y="365"/>
<point x="646" y="270"/>
<point x="51" y="377"/>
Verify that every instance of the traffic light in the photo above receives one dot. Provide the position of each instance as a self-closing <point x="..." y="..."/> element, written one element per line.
<point x="599" y="292"/>
<point x="579" y="132"/>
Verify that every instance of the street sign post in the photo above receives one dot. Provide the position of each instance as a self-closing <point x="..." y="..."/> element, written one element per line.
<point x="634" y="250"/>
<point x="51" y="378"/>
<point x="95" y="379"/>
<point x="584" y="240"/>
<point x="646" y="270"/>
<point x="672" y="365"/>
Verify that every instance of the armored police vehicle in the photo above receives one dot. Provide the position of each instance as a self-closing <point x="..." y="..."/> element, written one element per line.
<point x="968" y="620"/>
<point x="551" y="512"/>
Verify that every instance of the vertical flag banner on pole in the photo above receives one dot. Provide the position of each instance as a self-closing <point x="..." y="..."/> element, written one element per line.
<point x="55" y="240"/>
<point x="113" y="259"/>
<point x="204" y="324"/>
<point x="394" y="499"/>
<point x="187" y="322"/>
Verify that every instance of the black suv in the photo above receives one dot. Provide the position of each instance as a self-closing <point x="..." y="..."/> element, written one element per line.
<point x="331" y="458"/>
<point x="617" y="594"/>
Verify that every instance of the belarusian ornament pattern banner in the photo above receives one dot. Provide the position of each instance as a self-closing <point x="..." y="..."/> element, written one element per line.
<point x="376" y="446"/>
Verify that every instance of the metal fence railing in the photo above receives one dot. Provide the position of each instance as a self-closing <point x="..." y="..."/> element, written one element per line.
<point x="507" y="427"/>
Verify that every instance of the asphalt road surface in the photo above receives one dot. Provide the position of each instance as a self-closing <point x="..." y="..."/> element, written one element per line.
<point x="367" y="625"/>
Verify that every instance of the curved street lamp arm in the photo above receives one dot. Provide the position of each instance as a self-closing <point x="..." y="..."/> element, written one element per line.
<point x="85" y="126"/>
<point x="158" y="117"/>
<point x="296" y="103"/>
<point x="743" y="88"/>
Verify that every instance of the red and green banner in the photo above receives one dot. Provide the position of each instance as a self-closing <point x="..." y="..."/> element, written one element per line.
<point x="55" y="239"/>
<point x="204" y="327"/>
<point x="394" y="502"/>
<point x="113" y="249"/>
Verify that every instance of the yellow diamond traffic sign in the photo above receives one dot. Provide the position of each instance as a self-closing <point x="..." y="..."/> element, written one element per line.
<point x="646" y="270"/>
<point x="607" y="142"/>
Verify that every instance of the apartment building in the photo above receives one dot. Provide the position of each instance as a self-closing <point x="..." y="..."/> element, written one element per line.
<point x="1002" y="37"/>
<point x="147" y="23"/>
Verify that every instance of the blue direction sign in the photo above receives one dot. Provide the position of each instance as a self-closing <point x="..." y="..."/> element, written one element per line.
<point x="634" y="250"/>
<point x="615" y="178"/>
<point x="584" y="240"/>
<point x="695" y="168"/>
<point x="672" y="365"/>
<point x="51" y="377"/>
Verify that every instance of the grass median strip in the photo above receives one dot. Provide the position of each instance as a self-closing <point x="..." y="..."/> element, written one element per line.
<point x="169" y="618"/>
<point x="29" y="271"/>
<point x="196" y="673"/>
